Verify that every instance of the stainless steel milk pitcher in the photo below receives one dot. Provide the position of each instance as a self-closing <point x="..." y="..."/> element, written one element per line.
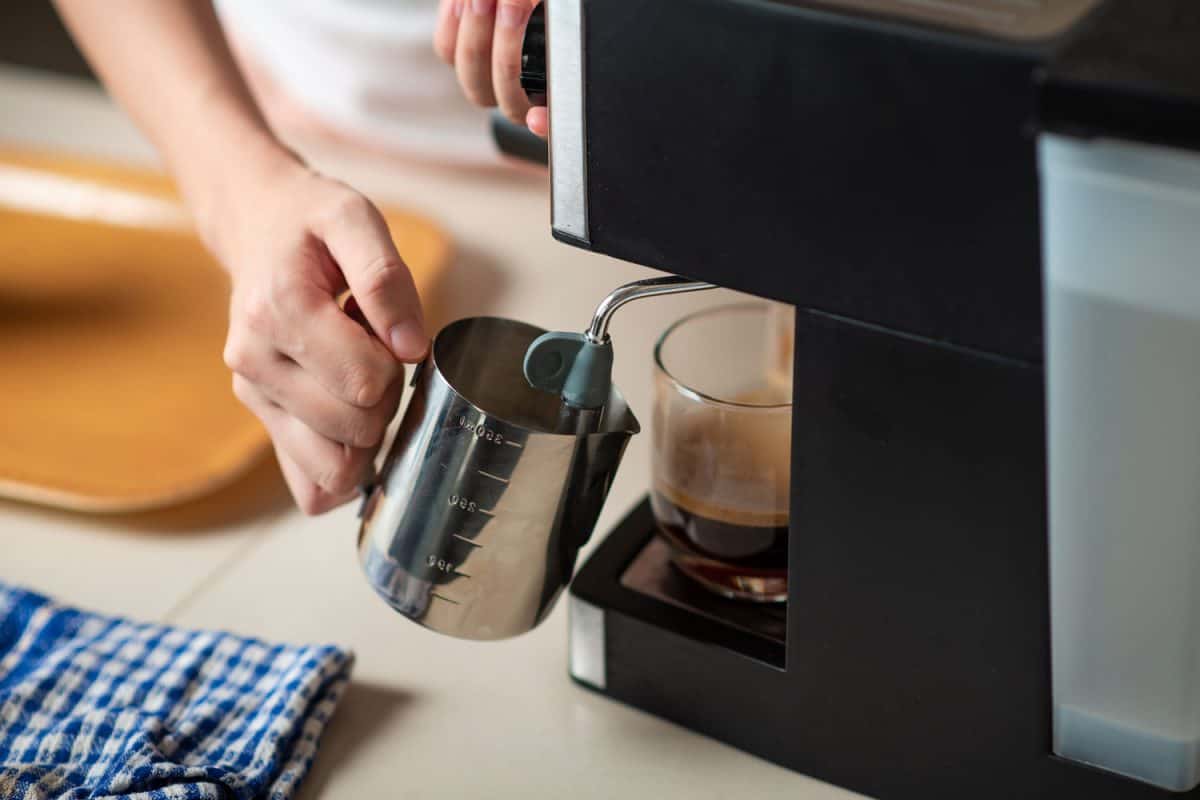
<point x="498" y="471"/>
<point x="481" y="509"/>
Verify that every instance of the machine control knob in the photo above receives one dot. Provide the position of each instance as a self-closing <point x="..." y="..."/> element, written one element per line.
<point x="533" y="57"/>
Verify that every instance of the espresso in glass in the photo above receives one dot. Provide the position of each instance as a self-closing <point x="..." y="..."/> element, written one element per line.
<point x="722" y="451"/>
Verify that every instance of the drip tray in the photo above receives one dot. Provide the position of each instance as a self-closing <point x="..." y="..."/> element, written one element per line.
<point x="630" y="578"/>
<point x="651" y="573"/>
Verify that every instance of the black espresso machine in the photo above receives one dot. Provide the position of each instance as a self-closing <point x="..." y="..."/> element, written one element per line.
<point x="987" y="216"/>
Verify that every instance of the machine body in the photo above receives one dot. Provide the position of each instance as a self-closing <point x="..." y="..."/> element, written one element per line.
<point x="979" y="210"/>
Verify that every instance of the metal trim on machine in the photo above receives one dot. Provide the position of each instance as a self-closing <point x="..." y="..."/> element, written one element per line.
<point x="568" y="142"/>
<point x="586" y="645"/>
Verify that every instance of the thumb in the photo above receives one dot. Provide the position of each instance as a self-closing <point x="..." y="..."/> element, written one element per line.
<point x="358" y="240"/>
<point x="538" y="120"/>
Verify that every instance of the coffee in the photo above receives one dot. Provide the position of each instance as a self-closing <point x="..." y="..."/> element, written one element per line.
<point x="735" y="553"/>
<point x="720" y="498"/>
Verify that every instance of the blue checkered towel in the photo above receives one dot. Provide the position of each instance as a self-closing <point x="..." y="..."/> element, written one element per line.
<point x="98" y="707"/>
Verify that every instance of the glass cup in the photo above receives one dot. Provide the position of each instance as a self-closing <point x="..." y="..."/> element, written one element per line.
<point x="722" y="447"/>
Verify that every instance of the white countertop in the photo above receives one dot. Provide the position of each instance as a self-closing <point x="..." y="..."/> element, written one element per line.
<point x="426" y="716"/>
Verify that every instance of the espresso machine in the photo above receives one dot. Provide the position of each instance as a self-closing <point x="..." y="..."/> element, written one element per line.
<point x="986" y="214"/>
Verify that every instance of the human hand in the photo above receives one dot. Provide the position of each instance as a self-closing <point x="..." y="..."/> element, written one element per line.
<point x="324" y="385"/>
<point x="482" y="40"/>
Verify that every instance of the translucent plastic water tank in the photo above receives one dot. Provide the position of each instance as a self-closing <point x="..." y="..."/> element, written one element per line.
<point x="1121" y="227"/>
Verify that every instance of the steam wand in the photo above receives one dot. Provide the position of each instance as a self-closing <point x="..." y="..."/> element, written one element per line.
<point x="597" y="332"/>
<point x="578" y="367"/>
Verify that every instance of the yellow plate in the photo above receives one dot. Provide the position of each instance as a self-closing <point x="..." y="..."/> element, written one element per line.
<point x="113" y="395"/>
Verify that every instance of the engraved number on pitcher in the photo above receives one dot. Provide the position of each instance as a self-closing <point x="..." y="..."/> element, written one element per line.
<point x="463" y="503"/>
<point x="440" y="564"/>
<point x="481" y="431"/>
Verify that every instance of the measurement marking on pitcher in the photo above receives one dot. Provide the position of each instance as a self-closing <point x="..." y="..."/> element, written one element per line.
<point x="447" y="599"/>
<point x="444" y="565"/>
<point x="493" y="477"/>
<point x="481" y="431"/>
<point x="462" y="538"/>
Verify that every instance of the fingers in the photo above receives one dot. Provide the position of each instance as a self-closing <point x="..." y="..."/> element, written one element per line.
<point x="300" y="392"/>
<point x="473" y="51"/>
<point x="538" y="121"/>
<point x="358" y="239"/>
<point x="350" y="363"/>
<point x="483" y="39"/>
<point x="305" y="323"/>
<point x="511" y="18"/>
<point x="302" y="396"/>
<point x="445" y="35"/>
<point x="335" y="469"/>
<point x="311" y="499"/>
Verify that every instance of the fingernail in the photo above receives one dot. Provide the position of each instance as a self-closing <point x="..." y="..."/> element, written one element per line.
<point x="482" y="8"/>
<point x="408" y="339"/>
<point x="510" y="15"/>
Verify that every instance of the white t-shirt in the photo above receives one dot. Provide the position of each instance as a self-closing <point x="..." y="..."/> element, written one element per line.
<point x="366" y="70"/>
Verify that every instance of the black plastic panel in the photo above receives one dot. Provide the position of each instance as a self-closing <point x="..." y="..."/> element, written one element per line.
<point x="920" y="617"/>
<point x="880" y="171"/>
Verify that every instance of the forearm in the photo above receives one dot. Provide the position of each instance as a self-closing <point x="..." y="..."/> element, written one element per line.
<point x="167" y="63"/>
